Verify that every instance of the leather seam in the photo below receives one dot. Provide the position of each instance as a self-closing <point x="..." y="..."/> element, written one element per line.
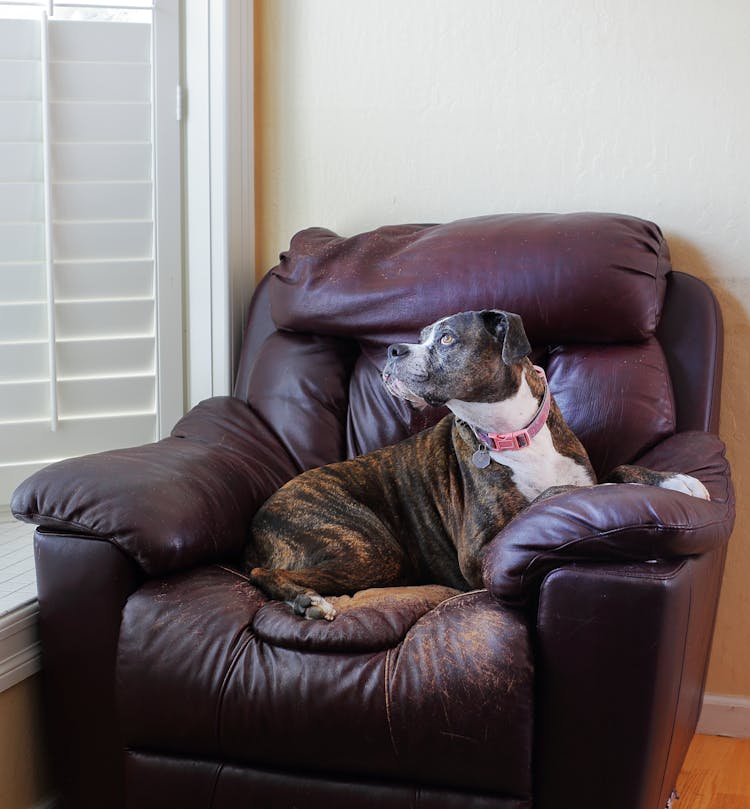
<point x="38" y="519"/>
<point x="387" y="684"/>
<point x="225" y="681"/>
<point x="621" y="573"/>
<point x="657" y="529"/>
<point x="679" y="688"/>
<point x="215" y="785"/>
<point x="84" y="533"/>
<point x="668" y="386"/>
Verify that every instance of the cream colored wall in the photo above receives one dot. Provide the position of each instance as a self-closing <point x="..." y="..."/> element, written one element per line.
<point x="429" y="110"/>
<point x="24" y="781"/>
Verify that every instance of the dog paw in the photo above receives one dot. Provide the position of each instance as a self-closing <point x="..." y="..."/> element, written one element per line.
<point x="313" y="607"/>
<point x="686" y="484"/>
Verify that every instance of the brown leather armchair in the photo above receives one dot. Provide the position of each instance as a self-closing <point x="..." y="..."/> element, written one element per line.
<point x="574" y="679"/>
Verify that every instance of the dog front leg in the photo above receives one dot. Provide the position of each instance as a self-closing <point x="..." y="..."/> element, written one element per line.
<point x="294" y="587"/>
<point x="676" y="481"/>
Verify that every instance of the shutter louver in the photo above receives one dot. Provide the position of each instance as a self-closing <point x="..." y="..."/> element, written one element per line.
<point x="102" y="232"/>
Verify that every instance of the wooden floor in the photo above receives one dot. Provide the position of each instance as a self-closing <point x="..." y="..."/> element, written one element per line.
<point x="716" y="775"/>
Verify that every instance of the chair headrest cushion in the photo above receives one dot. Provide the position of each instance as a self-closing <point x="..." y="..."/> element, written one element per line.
<point x="585" y="277"/>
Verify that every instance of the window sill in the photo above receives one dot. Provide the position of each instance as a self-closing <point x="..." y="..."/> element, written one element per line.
<point x="19" y="609"/>
<point x="19" y="645"/>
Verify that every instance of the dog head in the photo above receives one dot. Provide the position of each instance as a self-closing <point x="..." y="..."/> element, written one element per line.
<point x="469" y="357"/>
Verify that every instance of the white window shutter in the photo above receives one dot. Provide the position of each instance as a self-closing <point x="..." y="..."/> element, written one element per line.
<point x="101" y="223"/>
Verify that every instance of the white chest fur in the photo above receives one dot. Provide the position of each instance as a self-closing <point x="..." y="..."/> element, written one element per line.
<point x="539" y="466"/>
<point x="535" y="468"/>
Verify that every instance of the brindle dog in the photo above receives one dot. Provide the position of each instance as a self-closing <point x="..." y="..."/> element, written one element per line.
<point x="424" y="510"/>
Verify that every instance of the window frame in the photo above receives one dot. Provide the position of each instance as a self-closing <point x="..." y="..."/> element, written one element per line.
<point x="219" y="190"/>
<point x="168" y="224"/>
<point x="166" y="255"/>
<point x="206" y="281"/>
<point x="19" y="645"/>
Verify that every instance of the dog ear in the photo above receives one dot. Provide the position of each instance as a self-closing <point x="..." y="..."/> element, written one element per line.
<point x="508" y="328"/>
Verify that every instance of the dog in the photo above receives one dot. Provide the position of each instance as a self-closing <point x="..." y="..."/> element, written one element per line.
<point x="424" y="510"/>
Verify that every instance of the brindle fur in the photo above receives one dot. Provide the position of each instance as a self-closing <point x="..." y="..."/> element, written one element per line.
<point x="419" y="511"/>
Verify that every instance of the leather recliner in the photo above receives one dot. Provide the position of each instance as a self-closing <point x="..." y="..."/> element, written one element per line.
<point x="573" y="680"/>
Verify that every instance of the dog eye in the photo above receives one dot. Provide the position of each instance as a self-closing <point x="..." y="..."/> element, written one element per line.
<point x="447" y="339"/>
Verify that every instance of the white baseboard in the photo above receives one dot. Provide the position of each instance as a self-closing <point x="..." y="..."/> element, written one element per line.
<point x="725" y="716"/>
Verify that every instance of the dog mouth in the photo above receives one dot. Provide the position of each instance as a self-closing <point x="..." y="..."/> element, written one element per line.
<point x="401" y="390"/>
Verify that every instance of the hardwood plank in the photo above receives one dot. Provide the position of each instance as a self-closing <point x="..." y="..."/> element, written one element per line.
<point x="716" y="774"/>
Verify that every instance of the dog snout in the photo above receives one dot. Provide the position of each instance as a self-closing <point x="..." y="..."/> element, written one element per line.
<point x="397" y="350"/>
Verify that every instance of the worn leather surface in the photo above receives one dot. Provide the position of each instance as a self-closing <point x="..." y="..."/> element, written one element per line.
<point x="691" y="333"/>
<point x="649" y="672"/>
<point x="625" y="385"/>
<point x="572" y="277"/>
<point x="259" y="326"/>
<point x="617" y="522"/>
<point x="220" y="698"/>
<point x="450" y="702"/>
<point x="368" y="621"/>
<point x="159" y="781"/>
<point x="170" y="505"/>
<point x="82" y="586"/>
<point x="306" y="411"/>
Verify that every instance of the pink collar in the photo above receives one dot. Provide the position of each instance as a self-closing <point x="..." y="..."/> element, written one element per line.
<point x="519" y="439"/>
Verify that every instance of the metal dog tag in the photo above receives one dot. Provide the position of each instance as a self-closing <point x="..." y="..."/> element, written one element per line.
<point x="481" y="458"/>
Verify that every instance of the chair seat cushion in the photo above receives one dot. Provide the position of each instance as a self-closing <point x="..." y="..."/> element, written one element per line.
<point x="420" y="685"/>
<point x="366" y="622"/>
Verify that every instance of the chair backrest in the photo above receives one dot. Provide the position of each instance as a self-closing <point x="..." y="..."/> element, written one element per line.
<point x="632" y="350"/>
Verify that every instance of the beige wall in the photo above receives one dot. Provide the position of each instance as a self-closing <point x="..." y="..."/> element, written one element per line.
<point x="23" y="781"/>
<point x="429" y="110"/>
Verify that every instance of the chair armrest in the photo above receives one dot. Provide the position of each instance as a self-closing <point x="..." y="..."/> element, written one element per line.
<point x="182" y="501"/>
<point x="82" y="587"/>
<point x="617" y="522"/>
<point x="620" y="661"/>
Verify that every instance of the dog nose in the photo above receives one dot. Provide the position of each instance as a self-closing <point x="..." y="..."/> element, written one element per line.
<point x="397" y="350"/>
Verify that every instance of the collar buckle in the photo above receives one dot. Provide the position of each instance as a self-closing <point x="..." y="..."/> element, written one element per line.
<point x="500" y="442"/>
